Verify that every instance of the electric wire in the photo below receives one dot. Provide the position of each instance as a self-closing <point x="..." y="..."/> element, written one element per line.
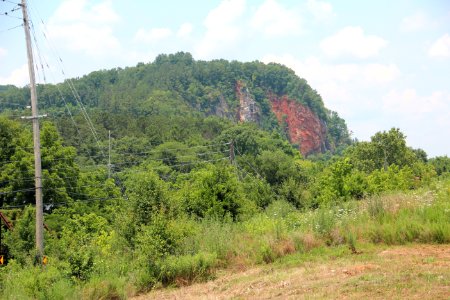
<point x="70" y="84"/>
<point x="11" y="28"/>
<point x="51" y="74"/>
<point x="12" y="2"/>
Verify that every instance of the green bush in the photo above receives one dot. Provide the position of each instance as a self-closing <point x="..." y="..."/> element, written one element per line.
<point x="32" y="282"/>
<point x="215" y="192"/>
<point x="183" y="270"/>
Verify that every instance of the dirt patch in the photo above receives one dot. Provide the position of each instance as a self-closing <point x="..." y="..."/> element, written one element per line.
<point x="360" y="269"/>
<point x="408" y="272"/>
<point x="438" y="251"/>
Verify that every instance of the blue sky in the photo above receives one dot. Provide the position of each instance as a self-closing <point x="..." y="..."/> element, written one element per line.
<point x="379" y="64"/>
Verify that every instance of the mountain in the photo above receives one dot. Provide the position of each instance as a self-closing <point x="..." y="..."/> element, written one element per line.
<point x="176" y="86"/>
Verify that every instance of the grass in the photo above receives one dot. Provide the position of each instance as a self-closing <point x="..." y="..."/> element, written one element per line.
<point x="308" y="244"/>
<point x="380" y="272"/>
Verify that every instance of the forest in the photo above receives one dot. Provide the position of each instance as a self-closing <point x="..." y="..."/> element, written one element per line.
<point x="150" y="180"/>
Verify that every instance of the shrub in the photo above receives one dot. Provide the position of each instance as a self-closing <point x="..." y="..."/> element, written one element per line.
<point x="147" y="194"/>
<point x="215" y="192"/>
<point x="34" y="282"/>
<point x="183" y="270"/>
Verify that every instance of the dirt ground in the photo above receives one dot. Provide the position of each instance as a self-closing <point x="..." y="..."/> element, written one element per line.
<point x="398" y="272"/>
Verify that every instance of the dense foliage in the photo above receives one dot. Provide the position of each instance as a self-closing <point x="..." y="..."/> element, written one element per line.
<point x="181" y="189"/>
<point x="165" y="100"/>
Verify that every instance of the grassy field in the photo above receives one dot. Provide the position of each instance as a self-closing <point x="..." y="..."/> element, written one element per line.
<point x="388" y="246"/>
<point x="395" y="246"/>
<point x="414" y="271"/>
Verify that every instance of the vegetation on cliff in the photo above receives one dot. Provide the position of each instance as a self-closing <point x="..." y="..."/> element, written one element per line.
<point x="183" y="188"/>
<point x="130" y="101"/>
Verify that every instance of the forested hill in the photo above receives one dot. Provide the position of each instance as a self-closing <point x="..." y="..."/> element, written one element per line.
<point x="175" y="91"/>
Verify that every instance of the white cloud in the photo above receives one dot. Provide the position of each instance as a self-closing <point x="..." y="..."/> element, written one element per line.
<point x="86" y="28"/>
<point x="3" y="52"/>
<point x="312" y="69"/>
<point x="18" y="77"/>
<point x="321" y="10"/>
<point x="362" y="94"/>
<point x="415" y="22"/>
<point x="409" y="102"/>
<point x="379" y="73"/>
<point x="221" y="28"/>
<point x="423" y="118"/>
<point x="352" y="41"/>
<point x="441" y="47"/>
<point x="78" y="11"/>
<point x="134" y="56"/>
<point x="152" y="35"/>
<point x="350" y="89"/>
<point x="272" y="19"/>
<point x="185" y="30"/>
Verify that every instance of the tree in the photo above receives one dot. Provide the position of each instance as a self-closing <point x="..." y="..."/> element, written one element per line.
<point x="214" y="192"/>
<point x="390" y="148"/>
<point x="441" y="164"/>
<point x="59" y="170"/>
<point x="147" y="194"/>
<point x="384" y="149"/>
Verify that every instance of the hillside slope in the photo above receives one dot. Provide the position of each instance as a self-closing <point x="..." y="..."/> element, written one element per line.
<point x="377" y="274"/>
<point x="271" y="96"/>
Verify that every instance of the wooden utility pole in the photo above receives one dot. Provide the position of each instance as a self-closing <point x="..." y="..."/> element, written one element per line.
<point x="36" y="140"/>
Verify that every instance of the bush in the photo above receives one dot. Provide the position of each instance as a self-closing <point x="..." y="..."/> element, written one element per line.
<point x="215" y="192"/>
<point x="155" y="241"/>
<point x="183" y="270"/>
<point x="148" y="196"/>
<point x="33" y="282"/>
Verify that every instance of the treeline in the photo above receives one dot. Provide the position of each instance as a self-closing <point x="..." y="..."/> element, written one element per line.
<point x="179" y="191"/>
<point x="173" y="213"/>
<point x="129" y="101"/>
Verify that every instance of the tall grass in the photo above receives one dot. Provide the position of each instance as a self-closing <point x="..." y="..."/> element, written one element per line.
<point x="420" y="216"/>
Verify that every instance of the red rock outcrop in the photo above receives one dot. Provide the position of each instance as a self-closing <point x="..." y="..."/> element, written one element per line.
<point x="303" y="126"/>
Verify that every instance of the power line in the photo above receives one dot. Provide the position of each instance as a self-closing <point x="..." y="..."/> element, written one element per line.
<point x="134" y="155"/>
<point x="14" y="104"/>
<point x="250" y="165"/>
<point x="10" y="16"/>
<point x="17" y="191"/>
<point x="7" y="13"/>
<point x="51" y="73"/>
<point x="12" y="2"/>
<point x="61" y="203"/>
<point x="180" y="165"/>
<point x="11" y="28"/>
<point x="71" y="87"/>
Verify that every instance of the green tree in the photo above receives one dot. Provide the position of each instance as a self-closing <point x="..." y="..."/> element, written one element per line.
<point x="441" y="164"/>
<point x="384" y="149"/>
<point x="215" y="192"/>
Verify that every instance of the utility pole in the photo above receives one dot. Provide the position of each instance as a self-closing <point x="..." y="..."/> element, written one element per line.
<point x="36" y="140"/>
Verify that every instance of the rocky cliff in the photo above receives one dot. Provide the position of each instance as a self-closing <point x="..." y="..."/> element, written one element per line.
<point x="248" y="109"/>
<point x="303" y="126"/>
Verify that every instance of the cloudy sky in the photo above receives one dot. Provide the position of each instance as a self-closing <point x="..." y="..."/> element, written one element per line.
<point x="379" y="64"/>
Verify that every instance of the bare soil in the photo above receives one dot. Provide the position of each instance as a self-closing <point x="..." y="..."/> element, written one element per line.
<point x="396" y="272"/>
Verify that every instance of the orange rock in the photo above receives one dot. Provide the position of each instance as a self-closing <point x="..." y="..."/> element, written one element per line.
<point x="304" y="127"/>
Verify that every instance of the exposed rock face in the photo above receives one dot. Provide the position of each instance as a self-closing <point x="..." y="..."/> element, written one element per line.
<point x="222" y="109"/>
<point x="303" y="126"/>
<point x="248" y="109"/>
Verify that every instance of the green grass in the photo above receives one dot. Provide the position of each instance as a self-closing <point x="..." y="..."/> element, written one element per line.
<point x="280" y="235"/>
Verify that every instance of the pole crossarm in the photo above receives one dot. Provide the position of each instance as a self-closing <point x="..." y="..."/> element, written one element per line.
<point x="32" y="117"/>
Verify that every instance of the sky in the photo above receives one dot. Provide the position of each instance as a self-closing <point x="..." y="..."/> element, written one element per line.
<point x="379" y="64"/>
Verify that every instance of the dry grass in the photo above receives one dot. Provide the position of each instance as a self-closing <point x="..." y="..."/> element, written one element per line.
<point x="407" y="272"/>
